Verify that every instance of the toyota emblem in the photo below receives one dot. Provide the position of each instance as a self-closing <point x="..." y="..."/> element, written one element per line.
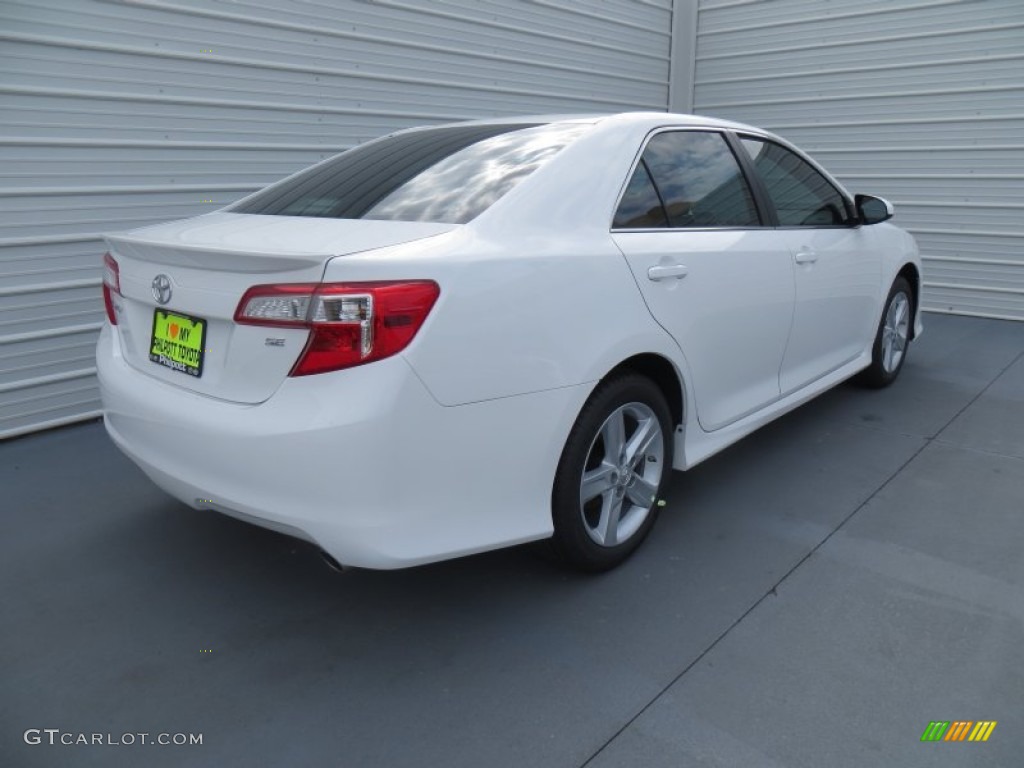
<point x="162" y="288"/>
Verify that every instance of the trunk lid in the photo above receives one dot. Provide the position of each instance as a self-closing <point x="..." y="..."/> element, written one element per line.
<point x="207" y="263"/>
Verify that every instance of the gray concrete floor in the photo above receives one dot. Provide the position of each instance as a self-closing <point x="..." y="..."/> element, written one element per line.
<point x="813" y="597"/>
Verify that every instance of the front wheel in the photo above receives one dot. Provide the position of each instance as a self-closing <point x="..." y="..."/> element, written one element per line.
<point x="893" y="336"/>
<point x="613" y="469"/>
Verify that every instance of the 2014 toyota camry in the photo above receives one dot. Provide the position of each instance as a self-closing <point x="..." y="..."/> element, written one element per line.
<point x="457" y="338"/>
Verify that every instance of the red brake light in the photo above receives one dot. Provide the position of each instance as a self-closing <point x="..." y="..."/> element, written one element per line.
<point x="111" y="284"/>
<point x="350" y="323"/>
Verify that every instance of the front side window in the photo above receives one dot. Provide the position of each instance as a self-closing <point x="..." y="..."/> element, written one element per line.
<point x="698" y="179"/>
<point x="450" y="174"/>
<point x="802" y="196"/>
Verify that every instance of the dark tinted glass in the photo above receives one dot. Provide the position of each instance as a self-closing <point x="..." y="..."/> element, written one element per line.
<point x="640" y="207"/>
<point x="447" y="174"/>
<point x="802" y="196"/>
<point x="699" y="180"/>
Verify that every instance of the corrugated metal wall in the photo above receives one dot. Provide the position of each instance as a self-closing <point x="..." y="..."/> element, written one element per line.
<point x="118" y="114"/>
<point x="920" y="102"/>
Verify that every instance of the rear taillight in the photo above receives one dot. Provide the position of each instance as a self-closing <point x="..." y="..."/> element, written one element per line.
<point x="111" y="285"/>
<point x="350" y="323"/>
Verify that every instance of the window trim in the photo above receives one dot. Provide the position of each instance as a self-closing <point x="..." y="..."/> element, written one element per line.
<point x="764" y="201"/>
<point x="759" y="206"/>
<point x="853" y="221"/>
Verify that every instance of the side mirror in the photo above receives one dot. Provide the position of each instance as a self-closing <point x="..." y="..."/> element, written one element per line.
<point x="873" y="210"/>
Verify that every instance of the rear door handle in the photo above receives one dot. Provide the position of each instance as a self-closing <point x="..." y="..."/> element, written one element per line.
<point x="805" y="256"/>
<point x="662" y="271"/>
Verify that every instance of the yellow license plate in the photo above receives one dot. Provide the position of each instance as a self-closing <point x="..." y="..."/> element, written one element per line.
<point x="179" y="342"/>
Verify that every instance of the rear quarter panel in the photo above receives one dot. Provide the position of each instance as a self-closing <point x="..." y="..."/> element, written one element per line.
<point x="519" y="317"/>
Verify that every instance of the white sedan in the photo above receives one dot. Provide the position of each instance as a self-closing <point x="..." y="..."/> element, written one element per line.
<point x="463" y="337"/>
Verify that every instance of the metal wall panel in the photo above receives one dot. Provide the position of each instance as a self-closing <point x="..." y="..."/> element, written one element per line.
<point x="116" y="114"/>
<point x="920" y="101"/>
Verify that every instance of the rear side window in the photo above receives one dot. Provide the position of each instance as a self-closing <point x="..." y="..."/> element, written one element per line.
<point x="449" y="174"/>
<point x="698" y="179"/>
<point x="802" y="196"/>
<point x="640" y="207"/>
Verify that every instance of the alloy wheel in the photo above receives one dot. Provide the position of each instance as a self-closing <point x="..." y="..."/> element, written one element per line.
<point x="622" y="474"/>
<point x="895" y="332"/>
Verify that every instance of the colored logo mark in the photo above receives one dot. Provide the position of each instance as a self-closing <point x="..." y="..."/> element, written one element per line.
<point x="958" y="730"/>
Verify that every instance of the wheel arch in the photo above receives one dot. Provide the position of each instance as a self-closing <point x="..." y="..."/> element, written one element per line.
<point x="912" y="275"/>
<point x="664" y="374"/>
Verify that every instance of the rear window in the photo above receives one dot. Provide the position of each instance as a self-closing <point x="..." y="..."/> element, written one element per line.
<point x="448" y="175"/>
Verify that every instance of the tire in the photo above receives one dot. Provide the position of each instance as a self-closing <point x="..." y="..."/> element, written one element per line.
<point x="598" y="528"/>
<point x="889" y="351"/>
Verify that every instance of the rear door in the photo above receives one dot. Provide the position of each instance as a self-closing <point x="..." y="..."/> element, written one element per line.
<point x="712" y="275"/>
<point x="837" y="273"/>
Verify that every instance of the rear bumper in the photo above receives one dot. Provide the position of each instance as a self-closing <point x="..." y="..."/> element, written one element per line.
<point x="362" y="462"/>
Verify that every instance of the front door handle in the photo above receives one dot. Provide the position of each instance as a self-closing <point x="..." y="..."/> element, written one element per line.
<point x="662" y="271"/>
<point x="805" y="256"/>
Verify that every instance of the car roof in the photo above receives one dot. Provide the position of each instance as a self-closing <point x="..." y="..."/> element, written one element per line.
<point x="633" y="119"/>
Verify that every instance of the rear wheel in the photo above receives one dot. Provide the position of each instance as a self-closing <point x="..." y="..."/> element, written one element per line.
<point x="613" y="469"/>
<point x="890" y="348"/>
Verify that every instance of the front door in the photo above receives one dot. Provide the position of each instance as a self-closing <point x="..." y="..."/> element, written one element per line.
<point x="837" y="273"/>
